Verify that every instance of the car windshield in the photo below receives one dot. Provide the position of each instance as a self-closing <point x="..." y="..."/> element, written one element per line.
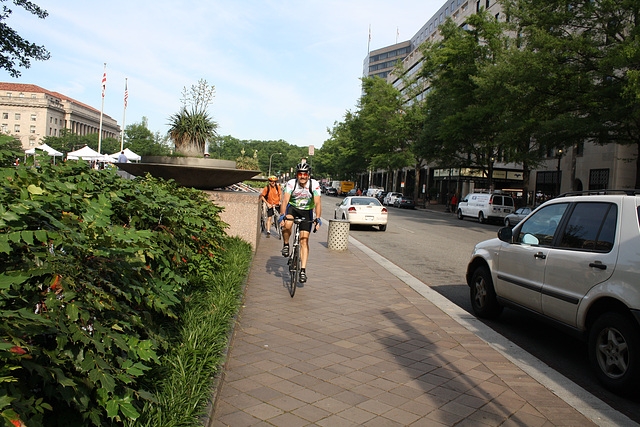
<point x="364" y="201"/>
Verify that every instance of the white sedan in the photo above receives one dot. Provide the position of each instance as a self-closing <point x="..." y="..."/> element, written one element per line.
<point x="362" y="210"/>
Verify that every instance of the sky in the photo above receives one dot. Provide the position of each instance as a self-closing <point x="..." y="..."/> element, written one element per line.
<point x="282" y="69"/>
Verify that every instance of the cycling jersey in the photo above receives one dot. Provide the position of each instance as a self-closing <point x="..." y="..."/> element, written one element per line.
<point x="302" y="197"/>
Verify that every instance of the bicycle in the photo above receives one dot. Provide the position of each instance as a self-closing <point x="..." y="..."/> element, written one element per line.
<point x="294" y="255"/>
<point x="276" y="223"/>
<point x="263" y="218"/>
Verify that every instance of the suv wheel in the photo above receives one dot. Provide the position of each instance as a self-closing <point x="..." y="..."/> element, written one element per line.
<point x="481" y="219"/>
<point x="614" y="351"/>
<point x="460" y="216"/>
<point x="483" y="295"/>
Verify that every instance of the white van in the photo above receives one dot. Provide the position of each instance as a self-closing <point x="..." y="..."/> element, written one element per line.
<point x="486" y="206"/>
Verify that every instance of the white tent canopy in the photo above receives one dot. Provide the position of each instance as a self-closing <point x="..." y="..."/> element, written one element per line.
<point x="86" y="153"/>
<point x="131" y="156"/>
<point x="44" y="147"/>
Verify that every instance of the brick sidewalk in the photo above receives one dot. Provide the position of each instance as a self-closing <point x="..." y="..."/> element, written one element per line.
<point x="357" y="346"/>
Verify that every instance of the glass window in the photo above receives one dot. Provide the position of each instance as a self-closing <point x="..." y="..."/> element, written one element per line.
<point x="5" y="128"/>
<point x="17" y="116"/>
<point x="16" y="128"/>
<point x="33" y="95"/>
<point x="33" y="117"/>
<point x="508" y="201"/>
<point x="32" y="129"/>
<point x="496" y="200"/>
<point x="591" y="226"/>
<point x="540" y="228"/>
<point x="5" y="116"/>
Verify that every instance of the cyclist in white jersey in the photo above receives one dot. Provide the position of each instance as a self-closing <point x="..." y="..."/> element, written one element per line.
<point x="301" y="197"/>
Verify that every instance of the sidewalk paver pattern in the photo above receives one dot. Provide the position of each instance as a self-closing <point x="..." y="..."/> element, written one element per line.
<point x="356" y="346"/>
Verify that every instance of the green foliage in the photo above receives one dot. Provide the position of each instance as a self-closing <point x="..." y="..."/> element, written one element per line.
<point x="183" y="386"/>
<point x="139" y="139"/>
<point x="94" y="272"/>
<point x="15" y="51"/>
<point x="230" y="148"/>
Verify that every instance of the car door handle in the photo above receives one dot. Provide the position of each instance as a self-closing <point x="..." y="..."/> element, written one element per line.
<point x="598" y="264"/>
<point x="540" y="255"/>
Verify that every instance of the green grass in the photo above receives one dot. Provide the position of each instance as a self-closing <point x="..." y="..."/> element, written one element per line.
<point x="184" y="388"/>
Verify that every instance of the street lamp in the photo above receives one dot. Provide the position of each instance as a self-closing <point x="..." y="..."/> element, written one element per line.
<point x="270" y="157"/>
<point x="558" y="171"/>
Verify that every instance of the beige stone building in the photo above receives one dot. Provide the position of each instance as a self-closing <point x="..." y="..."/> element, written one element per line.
<point x="30" y="113"/>
<point x="588" y="166"/>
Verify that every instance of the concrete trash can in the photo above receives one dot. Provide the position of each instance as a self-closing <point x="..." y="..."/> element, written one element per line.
<point x="338" y="237"/>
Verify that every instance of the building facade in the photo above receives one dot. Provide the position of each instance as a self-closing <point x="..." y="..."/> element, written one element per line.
<point x="588" y="166"/>
<point x="29" y="113"/>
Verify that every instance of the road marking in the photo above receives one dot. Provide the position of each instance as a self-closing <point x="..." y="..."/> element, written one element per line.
<point x="574" y="395"/>
<point x="408" y="231"/>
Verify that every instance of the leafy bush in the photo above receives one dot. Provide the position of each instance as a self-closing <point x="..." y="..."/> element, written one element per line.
<point x="94" y="271"/>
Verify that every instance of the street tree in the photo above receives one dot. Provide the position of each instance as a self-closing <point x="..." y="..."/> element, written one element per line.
<point x="469" y="120"/>
<point x="592" y="61"/>
<point x="15" y="51"/>
<point x="139" y="139"/>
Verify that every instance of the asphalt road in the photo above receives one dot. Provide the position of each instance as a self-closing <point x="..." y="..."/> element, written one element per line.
<point x="434" y="246"/>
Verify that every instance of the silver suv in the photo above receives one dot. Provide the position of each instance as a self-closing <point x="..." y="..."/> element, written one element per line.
<point x="574" y="260"/>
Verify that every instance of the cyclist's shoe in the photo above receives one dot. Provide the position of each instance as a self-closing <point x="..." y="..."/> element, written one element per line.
<point x="268" y="233"/>
<point x="285" y="251"/>
<point x="303" y="276"/>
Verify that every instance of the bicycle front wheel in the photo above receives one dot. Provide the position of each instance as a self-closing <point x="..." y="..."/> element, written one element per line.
<point x="294" y="270"/>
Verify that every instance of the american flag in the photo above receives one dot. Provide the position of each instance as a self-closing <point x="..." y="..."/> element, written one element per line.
<point x="104" y="82"/>
<point x="126" y="94"/>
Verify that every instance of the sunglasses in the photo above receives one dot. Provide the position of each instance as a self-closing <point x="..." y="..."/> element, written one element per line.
<point x="303" y="174"/>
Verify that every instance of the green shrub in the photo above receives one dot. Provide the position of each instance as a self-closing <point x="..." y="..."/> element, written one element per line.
<point x="94" y="275"/>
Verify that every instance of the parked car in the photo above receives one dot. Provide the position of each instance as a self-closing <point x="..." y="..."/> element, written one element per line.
<point x="485" y="206"/>
<point x="330" y="191"/>
<point x="362" y="210"/>
<point x="352" y="192"/>
<point x="404" y="202"/>
<point x="514" y="218"/>
<point x="373" y="191"/>
<point x="381" y="195"/>
<point x="390" y="198"/>
<point x="574" y="261"/>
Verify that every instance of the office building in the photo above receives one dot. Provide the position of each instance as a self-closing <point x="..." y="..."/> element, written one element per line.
<point x="29" y="113"/>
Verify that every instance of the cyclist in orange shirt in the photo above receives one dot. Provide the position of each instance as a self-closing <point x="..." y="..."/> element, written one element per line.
<point x="271" y="196"/>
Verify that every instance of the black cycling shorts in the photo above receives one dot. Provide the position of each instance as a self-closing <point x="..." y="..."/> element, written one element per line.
<point x="301" y="213"/>
<point x="273" y="210"/>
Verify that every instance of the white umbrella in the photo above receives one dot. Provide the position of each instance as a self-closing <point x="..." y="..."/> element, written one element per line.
<point x="128" y="153"/>
<point x="44" y="147"/>
<point x="86" y="153"/>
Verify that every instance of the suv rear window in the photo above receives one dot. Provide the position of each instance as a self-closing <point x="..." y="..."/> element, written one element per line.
<point x="591" y="226"/>
<point x="496" y="200"/>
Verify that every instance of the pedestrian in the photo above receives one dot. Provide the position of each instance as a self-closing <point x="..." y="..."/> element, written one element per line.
<point x="358" y="192"/>
<point x="122" y="158"/>
<point x="454" y="202"/>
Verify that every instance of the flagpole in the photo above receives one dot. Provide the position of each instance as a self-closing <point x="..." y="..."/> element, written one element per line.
<point x="369" y="42"/>
<point x="104" y="85"/>
<point x="124" y="111"/>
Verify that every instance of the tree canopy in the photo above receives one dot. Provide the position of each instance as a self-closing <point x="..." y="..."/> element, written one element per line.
<point x="15" y="51"/>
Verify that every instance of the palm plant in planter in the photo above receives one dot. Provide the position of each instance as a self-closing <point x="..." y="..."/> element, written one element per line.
<point x="192" y="127"/>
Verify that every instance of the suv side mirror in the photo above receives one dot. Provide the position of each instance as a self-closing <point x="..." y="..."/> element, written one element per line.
<point x="505" y="234"/>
